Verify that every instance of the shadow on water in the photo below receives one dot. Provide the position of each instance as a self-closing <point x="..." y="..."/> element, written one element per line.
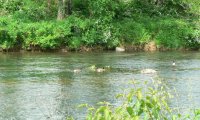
<point x="44" y="86"/>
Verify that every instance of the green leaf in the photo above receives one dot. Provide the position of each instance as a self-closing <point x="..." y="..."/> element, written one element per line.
<point x="130" y="110"/>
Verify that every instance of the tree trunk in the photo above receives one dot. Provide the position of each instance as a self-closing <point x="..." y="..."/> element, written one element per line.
<point x="49" y="4"/>
<point x="69" y="7"/>
<point x="61" y="10"/>
<point x="64" y="9"/>
<point x="159" y="2"/>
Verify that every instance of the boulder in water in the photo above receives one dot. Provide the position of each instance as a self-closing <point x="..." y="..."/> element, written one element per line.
<point x="120" y="49"/>
<point x="77" y="70"/>
<point x="148" y="71"/>
<point x="100" y="70"/>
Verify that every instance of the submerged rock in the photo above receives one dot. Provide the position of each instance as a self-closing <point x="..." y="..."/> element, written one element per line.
<point x="77" y="70"/>
<point x="100" y="70"/>
<point x="64" y="50"/>
<point x="148" y="71"/>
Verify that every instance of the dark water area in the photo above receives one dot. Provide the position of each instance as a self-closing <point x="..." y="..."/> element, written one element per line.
<point x="43" y="85"/>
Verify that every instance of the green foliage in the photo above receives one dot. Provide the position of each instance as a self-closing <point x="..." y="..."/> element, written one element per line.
<point x="103" y="8"/>
<point x="47" y="34"/>
<point x="100" y="33"/>
<point x="101" y="30"/>
<point x="174" y="33"/>
<point x="32" y="11"/>
<point x="140" y="103"/>
<point x="193" y="39"/>
<point x="162" y="7"/>
<point x="107" y="23"/>
<point x="75" y="43"/>
<point x="133" y="32"/>
<point x="8" y="32"/>
<point x="168" y="32"/>
<point x="81" y="7"/>
<point x="10" y="6"/>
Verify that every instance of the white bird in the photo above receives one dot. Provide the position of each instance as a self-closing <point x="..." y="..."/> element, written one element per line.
<point x="173" y="64"/>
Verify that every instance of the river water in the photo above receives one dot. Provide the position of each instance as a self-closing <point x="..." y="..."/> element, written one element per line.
<point x="40" y="86"/>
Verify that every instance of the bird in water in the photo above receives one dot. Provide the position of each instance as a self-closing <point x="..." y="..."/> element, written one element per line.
<point x="98" y="69"/>
<point x="173" y="64"/>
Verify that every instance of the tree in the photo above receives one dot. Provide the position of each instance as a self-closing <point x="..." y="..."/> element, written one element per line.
<point x="60" y="14"/>
<point x="68" y="7"/>
<point x="64" y="9"/>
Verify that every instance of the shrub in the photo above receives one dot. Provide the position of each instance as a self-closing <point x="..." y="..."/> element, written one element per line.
<point x="148" y="103"/>
<point x="9" y="33"/>
<point x="47" y="35"/>
<point x="133" y="32"/>
<point x="10" y="6"/>
<point x="173" y="33"/>
<point x="168" y="32"/>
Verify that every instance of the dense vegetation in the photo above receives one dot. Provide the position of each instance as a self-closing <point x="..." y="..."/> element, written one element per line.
<point x="78" y="24"/>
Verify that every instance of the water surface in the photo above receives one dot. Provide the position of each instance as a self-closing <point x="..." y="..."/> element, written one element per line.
<point x="43" y="85"/>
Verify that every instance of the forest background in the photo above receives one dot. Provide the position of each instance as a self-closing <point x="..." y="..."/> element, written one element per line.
<point x="99" y="24"/>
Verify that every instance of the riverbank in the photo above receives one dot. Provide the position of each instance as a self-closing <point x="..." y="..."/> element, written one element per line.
<point x="149" y="47"/>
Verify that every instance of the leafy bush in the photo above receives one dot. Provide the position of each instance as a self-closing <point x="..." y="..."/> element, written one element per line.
<point x="133" y="32"/>
<point x="148" y="103"/>
<point x="8" y="33"/>
<point x="10" y="6"/>
<point x="47" y="35"/>
<point x="193" y="39"/>
<point x="173" y="33"/>
<point x="168" y="32"/>
<point x="101" y="33"/>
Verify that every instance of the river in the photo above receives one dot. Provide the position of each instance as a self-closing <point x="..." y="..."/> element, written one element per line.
<point x="43" y="86"/>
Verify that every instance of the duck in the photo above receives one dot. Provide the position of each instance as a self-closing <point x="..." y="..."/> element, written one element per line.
<point x="148" y="71"/>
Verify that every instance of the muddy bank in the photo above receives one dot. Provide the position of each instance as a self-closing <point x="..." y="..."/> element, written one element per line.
<point x="148" y="47"/>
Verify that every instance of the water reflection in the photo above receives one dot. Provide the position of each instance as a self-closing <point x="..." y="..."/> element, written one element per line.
<point x="44" y="86"/>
